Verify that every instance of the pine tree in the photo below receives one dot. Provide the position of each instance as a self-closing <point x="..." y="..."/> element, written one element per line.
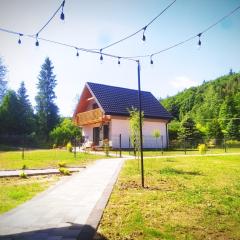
<point x="3" y="82"/>
<point x="227" y="111"/>
<point x="233" y="129"/>
<point x="47" y="110"/>
<point x="214" y="130"/>
<point x="10" y="119"/>
<point x="26" y="111"/>
<point x="188" y="131"/>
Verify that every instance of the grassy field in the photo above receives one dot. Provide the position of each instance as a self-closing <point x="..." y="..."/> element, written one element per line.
<point x="14" y="191"/>
<point x="181" y="152"/>
<point x="43" y="159"/>
<point x="184" y="198"/>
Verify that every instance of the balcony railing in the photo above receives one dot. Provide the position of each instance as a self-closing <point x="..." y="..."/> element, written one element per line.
<point x="89" y="117"/>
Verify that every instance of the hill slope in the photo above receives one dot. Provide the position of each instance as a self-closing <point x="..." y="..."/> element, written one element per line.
<point x="214" y="100"/>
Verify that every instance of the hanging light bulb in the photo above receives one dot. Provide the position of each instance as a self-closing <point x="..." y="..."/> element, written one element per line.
<point x="144" y="37"/>
<point x="77" y="54"/>
<point x="151" y="61"/>
<point x="119" y="61"/>
<point x="199" y="39"/>
<point x="101" y="57"/>
<point x="19" y="39"/>
<point x="37" y="42"/>
<point x="62" y="17"/>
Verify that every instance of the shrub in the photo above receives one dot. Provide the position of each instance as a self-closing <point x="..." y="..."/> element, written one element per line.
<point x="233" y="143"/>
<point x="23" y="175"/>
<point x="62" y="164"/>
<point x="212" y="143"/>
<point x="54" y="145"/>
<point x="24" y="166"/>
<point x="69" y="147"/>
<point x="202" y="148"/>
<point x="64" y="171"/>
<point x="106" y="146"/>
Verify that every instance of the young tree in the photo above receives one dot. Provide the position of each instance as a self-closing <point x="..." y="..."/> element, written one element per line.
<point x="65" y="132"/>
<point x="135" y="128"/>
<point x="26" y="111"/>
<point x="47" y="110"/>
<point x="156" y="134"/>
<point x="3" y="82"/>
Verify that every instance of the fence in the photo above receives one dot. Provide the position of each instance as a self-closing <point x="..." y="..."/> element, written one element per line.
<point x="186" y="146"/>
<point x="122" y="144"/>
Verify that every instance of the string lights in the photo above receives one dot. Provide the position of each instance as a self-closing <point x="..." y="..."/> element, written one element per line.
<point x="19" y="38"/>
<point x="141" y="29"/>
<point x="151" y="61"/>
<point x="101" y="56"/>
<point x="62" y="16"/>
<point x="77" y="54"/>
<point x="37" y="42"/>
<point x="199" y="39"/>
<point x="128" y="58"/>
<point x="144" y="37"/>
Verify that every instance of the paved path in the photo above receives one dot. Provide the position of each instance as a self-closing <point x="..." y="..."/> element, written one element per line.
<point x="32" y="172"/>
<point x="73" y="206"/>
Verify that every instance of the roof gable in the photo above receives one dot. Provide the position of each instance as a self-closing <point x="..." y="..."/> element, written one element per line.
<point x="117" y="101"/>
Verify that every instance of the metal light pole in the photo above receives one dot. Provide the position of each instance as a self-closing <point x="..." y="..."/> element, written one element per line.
<point x="140" y="123"/>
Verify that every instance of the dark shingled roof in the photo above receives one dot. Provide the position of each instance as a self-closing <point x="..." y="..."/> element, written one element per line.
<point x="117" y="101"/>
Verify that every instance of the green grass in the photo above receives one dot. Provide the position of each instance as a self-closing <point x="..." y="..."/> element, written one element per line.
<point x="14" y="191"/>
<point x="43" y="159"/>
<point x="155" y="153"/>
<point x="184" y="198"/>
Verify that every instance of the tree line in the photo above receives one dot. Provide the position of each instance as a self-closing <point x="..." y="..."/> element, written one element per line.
<point x="41" y="123"/>
<point x="210" y="111"/>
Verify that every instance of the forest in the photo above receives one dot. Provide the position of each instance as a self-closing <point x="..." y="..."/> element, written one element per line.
<point x="38" y="126"/>
<point x="210" y="111"/>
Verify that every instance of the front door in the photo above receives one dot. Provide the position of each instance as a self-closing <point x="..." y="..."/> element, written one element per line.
<point x="96" y="135"/>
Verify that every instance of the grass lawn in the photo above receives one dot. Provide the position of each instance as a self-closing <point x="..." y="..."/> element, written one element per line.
<point x="14" y="191"/>
<point x="181" y="152"/>
<point x="185" y="198"/>
<point x="43" y="159"/>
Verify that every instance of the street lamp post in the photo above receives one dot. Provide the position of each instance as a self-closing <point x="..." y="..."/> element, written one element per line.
<point x="140" y="123"/>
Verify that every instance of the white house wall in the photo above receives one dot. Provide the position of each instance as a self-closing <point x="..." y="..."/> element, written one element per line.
<point x="87" y="131"/>
<point x="121" y="126"/>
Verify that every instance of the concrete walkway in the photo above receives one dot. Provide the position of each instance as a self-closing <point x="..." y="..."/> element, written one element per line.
<point x="69" y="210"/>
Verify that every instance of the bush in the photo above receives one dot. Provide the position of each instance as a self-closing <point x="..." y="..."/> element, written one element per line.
<point x="106" y="146"/>
<point x="233" y="143"/>
<point x="212" y="143"/>
<point x="24" y="166"/>
<point x="23" y="175"/>
<point x="202" y="148"/>
<point x="62" y="164"/>
<point x="54" y="145"/>
<point x="64" y="171"/>
<point x="69" y="147"/>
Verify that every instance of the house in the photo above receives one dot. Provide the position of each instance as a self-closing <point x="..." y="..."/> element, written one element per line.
<point x="102" y="113"/>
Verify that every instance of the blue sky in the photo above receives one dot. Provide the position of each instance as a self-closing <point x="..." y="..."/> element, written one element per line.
<point x="96" y="23"/>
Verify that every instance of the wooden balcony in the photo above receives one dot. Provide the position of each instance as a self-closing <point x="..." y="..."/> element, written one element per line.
<point x="89" y="117"/>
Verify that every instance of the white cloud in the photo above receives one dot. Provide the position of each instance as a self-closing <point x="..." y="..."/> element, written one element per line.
<point x="182" y="82"/>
